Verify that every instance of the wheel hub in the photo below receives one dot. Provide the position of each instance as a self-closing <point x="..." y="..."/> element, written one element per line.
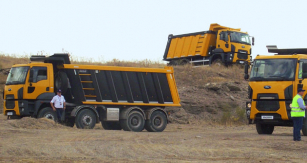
<point x="49" y="116"/>
<point x="134" y="121"/>
<point x="157" y="121"/>
<point x="87" y="120"/>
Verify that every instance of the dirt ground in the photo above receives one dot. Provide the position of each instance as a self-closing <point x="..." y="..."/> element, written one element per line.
<point x="41" y="140"/>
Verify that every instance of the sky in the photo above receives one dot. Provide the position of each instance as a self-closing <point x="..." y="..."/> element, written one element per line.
<point x="138" y="29"/>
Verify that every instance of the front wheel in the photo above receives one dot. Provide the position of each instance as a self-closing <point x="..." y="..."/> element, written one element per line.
<point x="264" y="129"/>
<point x="217" y="62"/>
<point x="86" y="119"/>
<point x="48" y="113"/>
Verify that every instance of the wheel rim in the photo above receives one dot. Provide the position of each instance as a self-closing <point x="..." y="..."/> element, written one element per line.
<point x="87" y="120"/>
<point x="49" y="116"/>
<point x="157" y="121"/>
<point x="135" y="122"/>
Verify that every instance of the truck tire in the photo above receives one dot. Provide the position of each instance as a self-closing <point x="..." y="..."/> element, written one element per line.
<point x="134" y="122"/>
<point x="217" y="62"/>
<point x="61" y="81"/>
<point x="183" y="62"/>
<point x="157" y="122"/>
<point x="304" y="128"/>
<point x="86" y="119"/>
<point x="48" y="113"/>
<point x="111" y="125"/>
<point x="264" y="129"/>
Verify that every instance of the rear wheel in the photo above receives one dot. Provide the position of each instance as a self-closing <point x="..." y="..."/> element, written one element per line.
<point x="264" y="128"/>
<point x="134" y="122"/>
<point x="157" y="122"/>
<point x="86" y="119"/>
<point x="111" y="125"/>
<point x="48" y="113"/>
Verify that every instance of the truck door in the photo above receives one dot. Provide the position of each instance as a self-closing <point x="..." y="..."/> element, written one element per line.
<point x="37" y="82"/>
<point x="223" y="41"/>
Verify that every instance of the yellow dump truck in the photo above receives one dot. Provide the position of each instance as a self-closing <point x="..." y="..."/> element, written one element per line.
<point x="119" y="97"/>
<point x="218" y="45"/>
<point x="273" y="82"/>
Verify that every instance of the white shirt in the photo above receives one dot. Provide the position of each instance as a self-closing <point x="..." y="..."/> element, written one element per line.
<point x="58" y="101"/>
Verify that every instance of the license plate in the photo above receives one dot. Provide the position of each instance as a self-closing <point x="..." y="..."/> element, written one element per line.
<point x="267" y="117"/>
<point x="241" y="62"/>
<point x="9" y="113"/>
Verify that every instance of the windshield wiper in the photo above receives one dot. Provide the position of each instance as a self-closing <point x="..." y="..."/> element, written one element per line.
<point x="257" y="78"/>
<point x="12" y="82"/>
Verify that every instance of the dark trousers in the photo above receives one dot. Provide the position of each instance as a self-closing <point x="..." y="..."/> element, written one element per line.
<point x="297" y="126"/>
<point x="59" y="112"/>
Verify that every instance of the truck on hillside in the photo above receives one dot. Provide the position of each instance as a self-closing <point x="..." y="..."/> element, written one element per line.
<point x="273" y="82"/>
<point x="125" y="98"/>
<point x="218" y="45"/>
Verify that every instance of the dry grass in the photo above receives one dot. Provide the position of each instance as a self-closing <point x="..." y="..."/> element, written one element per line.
<point x="7" y="60"/>
<point x="199" y="76"/>
<point x="117" y="62"/>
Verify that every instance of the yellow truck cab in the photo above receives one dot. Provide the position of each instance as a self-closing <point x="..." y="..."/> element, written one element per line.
<point x="125" y="98"/>
<point x="218" y="45"/>
<point x="273" y="82"/>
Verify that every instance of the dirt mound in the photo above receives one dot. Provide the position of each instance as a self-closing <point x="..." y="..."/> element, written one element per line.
<point x="211" y="94"/>
<point x="33" y="123"/>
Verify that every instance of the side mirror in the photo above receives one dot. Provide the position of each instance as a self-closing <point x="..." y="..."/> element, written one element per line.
<point x="31" y="76"/>
<point x="246" y="76"/>
<point x="253" y="41"/>
<point x="246" y="66"/>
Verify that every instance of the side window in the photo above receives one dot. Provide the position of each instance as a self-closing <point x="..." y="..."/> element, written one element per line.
<point x="39" y="73"/>
<point x="300" y="70"/>
<point x="224" y="36"/>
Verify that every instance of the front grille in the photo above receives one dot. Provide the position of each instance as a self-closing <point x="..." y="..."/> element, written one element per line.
<point x="242" y="55"/>
<point x="10" y="102"/>
<point x="267" y="102"/>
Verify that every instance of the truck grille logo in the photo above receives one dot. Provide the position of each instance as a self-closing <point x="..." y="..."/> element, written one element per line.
<point x="267" y="87"/>
<point x="243" y="46"/>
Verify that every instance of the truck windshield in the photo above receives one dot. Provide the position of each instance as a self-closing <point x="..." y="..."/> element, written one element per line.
<point x="240" y="38"/>
<point x="17" y="75"/>
<point x="273" y="70"/>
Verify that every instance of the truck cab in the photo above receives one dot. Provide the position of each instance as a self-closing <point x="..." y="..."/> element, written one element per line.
<point x="273" y="82"/>
<point x="26" y="85"/>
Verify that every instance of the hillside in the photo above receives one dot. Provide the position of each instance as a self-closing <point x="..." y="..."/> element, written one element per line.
<point x="211" y="95"/>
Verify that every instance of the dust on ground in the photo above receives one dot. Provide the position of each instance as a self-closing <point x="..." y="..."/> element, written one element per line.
<point x="178" y="143"/>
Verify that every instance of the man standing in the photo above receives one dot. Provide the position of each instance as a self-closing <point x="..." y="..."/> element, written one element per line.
<point x="298" y="113"/>
<point x="58" y="104"/>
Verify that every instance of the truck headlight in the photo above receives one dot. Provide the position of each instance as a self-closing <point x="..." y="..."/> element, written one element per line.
<point x="249" y="105"/>
<point x="231" y="55"/>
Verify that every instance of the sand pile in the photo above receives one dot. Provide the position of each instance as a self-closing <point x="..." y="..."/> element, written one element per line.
<point x="33" y="123"/>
